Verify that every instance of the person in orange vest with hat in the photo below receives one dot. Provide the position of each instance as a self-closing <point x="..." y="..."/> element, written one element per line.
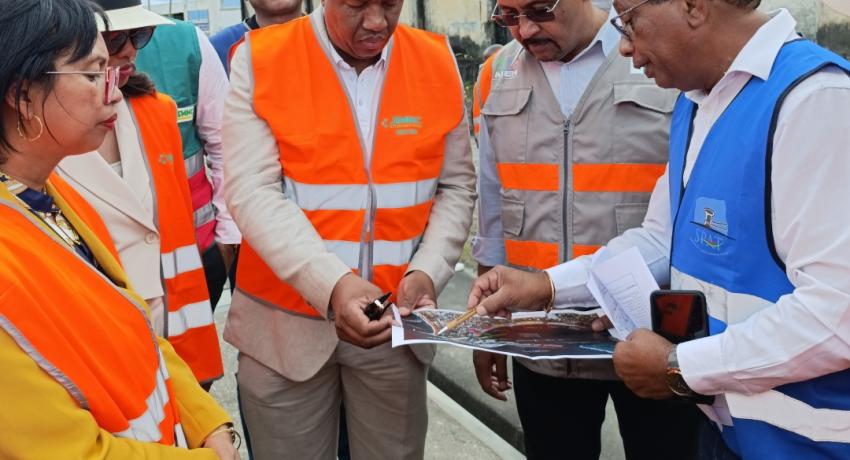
<point x="136" y="180"/>
<point x="349" y="178"/>
<point x="83" y="375"/>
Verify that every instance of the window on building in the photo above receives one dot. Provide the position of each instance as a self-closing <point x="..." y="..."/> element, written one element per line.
<point x="230" y="4"/>
<point x="200" y="18"/>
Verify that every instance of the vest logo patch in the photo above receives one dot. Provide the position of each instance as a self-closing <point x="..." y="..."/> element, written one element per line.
<point x="505" y="74"/>
<point x="712" y="228"/>
<point x="185" y="114"/>
<point x="407" y="125"/>
<point x="166" y="158"/>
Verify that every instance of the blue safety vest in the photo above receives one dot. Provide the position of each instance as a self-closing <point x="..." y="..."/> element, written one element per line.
<point x="723" y="246"/>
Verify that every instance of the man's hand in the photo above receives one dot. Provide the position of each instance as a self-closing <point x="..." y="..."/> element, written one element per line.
<point x="603" y="323"/>
<point x="503" y="289"/>
<point x="641" y="361"/>
<point x="222" y="445"/>
<point x="348" y="299"/>
<point x="414" y="291"/>
<point x="492" y="372"/>
<point x="228" y="254"/>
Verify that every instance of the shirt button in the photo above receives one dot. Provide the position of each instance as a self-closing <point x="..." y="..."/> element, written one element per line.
<point x="360" y="102"/>
<point x="151" y="238"/>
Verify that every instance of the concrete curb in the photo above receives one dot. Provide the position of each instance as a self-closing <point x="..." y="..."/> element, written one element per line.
<point x="479" y="409"/>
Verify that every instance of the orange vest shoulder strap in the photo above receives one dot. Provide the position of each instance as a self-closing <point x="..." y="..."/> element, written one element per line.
<point x="485" y="81"/>
<point x="233" y="48"/>
<point x="86" y="212"/>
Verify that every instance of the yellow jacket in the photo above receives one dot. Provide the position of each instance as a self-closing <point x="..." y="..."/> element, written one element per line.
<point x="40" y="419"/>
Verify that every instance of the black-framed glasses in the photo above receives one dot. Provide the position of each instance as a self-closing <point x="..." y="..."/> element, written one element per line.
<point x="115" y="40"/>
<point x="545" y="14"/>
<point x="110" y="77"/>
<point x="625" y="28"/>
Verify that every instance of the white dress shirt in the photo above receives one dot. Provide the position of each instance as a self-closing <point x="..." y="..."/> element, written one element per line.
<point x="364" y="93"/>
<point x="568" y="81"/>
<point x="212" y="91"/>
<point x="807" y="333"/>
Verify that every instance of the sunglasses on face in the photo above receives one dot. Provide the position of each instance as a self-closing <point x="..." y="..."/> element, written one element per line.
<point x="110" y="76"/>
<point x="116" y="40"/>
<point x="545" y="14"/>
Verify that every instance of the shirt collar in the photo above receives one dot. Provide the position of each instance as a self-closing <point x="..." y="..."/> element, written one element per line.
<point x="756" y="58"/>
<point x="607" y="38"/>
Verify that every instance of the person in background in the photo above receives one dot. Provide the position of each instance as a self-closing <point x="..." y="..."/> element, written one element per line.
<point x="182" y="64"/>
<point x="751" y="212"/>
<point x="340" y="201"/>
<point x="266" y="13"/>
<point x="83" y="375"/>
<point x="136" y="180"/>
<point x="572" y="142"/>
<point x="476" y="89"/>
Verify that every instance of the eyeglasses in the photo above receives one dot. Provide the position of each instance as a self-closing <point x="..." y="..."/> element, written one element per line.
<point x="110" y="77"/>
<point x="625" y="28"/>
<point x="116" y="40"/>
<point x="546" y="14"/>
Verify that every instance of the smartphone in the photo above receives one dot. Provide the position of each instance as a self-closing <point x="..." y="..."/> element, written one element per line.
<point x="679" y="316"/>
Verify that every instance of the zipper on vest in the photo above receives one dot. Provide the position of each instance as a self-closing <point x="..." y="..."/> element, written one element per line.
<point x="566" y="208"/>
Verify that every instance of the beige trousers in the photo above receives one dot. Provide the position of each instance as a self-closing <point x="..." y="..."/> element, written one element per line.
<point x="385" y="404"/>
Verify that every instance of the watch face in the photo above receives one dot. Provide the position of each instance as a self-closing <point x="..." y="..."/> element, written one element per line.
<point x="677" y="384"/>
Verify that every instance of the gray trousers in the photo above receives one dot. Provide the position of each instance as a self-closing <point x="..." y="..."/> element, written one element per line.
<point x="384" y="394"/>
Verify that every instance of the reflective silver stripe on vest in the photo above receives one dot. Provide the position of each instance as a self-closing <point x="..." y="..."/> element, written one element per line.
<point x="146" y="426"/>
<point x="726" y="306"/>
<point x="773" y="407"/>
<point x="204" y="215"/>
<point x="180" y="436"/>
<point x="42" y="362"/>
<point x="384" y="252"/>
<point x="181" y="260"/>
<point x="194" y="164"/>
<point x="189" y="316"/>
<point x="783" y="411"/>
<point x="352" y="197"/>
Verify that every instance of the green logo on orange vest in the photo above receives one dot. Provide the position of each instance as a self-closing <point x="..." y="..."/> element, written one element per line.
<point x="403" y="126"/>
<point x="185" y="114"/>
<point x="166" y="158"/>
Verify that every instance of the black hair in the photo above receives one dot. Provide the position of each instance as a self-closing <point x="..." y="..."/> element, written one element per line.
<point x="139" y="84"/>
<point x="34" y="34"/>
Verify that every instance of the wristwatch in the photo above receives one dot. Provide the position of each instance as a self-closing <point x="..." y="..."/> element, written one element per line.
<point x="677" y="383"/>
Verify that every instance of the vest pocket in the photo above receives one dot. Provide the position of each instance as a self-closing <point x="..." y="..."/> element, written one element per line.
<point x="513" y="211"/>
<point x="507" y="123"/>
<point x="641" y="122"/>
<point x="629" y="215"/>
<point x="645" y="95"/>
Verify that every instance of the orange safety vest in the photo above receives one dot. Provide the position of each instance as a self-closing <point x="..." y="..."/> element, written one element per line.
<point x="189" y="323"/>
<point x="92" y="336"/>
<point x="383" y="207"/>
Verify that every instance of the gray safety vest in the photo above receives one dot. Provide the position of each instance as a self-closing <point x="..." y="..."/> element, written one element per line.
<point x="603" y="162"/>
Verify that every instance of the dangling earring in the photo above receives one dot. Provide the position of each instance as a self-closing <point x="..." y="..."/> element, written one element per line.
<point x="37" y="136"/>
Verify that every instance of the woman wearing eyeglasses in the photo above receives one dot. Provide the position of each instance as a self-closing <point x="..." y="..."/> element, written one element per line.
<point x="136" y="180"/>
<point x="83" y="376"/>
